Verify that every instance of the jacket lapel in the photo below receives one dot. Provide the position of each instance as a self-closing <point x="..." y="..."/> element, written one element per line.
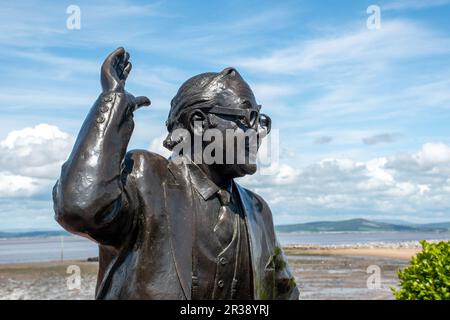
<point x="179" y="208"/>
<point x="257" y="241"/>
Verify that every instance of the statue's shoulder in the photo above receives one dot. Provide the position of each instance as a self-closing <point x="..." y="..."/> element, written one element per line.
<point x="258" y="200"/>
<point x="262" y="210"/>
<point x="142" y="163"/>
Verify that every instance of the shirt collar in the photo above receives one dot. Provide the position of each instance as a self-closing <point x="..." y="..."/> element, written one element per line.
<point x="201" y="182"/>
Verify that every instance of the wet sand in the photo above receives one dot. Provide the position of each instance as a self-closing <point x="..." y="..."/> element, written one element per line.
<point x="47" y="281"/>
<point x="343" y="273"/>
<point x="321" y="273"/>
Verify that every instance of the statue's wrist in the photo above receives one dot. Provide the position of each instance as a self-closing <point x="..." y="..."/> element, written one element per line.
<point x="116" y="90"/>
<point x="109" y="97"/>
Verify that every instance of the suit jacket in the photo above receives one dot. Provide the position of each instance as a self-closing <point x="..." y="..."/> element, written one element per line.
<point x="138" y="206"/>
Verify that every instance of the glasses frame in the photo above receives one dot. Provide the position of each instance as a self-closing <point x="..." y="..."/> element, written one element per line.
<point x="261" y="119"/>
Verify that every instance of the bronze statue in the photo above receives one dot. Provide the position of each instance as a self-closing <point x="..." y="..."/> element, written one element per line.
<point x="170" y="229"/>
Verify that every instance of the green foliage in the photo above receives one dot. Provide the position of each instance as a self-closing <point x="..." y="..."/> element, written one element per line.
<point x="428" y="275"/>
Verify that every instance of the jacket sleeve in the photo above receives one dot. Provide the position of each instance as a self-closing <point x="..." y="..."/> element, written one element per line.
<point x="92" y="196"/>
<point x="282" y="281"/>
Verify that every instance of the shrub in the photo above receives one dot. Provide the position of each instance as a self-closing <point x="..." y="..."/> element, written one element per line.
<point x="428" y="275"/>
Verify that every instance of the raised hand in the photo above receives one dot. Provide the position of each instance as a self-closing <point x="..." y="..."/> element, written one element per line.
<point x="115" y="70"/>
<point x="114" y="73"/>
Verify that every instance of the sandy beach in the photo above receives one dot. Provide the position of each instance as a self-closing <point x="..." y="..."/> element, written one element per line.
<point x="383" y="252"/>
<point x="46" y="281"/>
<point x="342" y="273"/>
<point x="321" y="273"/>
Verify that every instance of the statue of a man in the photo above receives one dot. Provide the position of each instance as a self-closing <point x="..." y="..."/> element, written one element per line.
<point x="171" y="229"/>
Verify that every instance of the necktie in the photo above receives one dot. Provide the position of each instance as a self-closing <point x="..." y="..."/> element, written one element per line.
<point x="224" y="227"/>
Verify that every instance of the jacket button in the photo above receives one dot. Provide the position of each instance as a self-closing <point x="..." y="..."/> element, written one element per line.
<point x="220" y="283"/>
<point x="100" y="119"/>
<point x="104" y="108"/>
<point x="107" y="99"/>
<point x="223" y="261"/>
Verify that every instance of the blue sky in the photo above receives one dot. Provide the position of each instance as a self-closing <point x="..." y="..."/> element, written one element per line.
<point x="363" y="115"/>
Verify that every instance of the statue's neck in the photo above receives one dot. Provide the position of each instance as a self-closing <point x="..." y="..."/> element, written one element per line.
<point x="217" y="173"/>
<point x="217" y="176"/>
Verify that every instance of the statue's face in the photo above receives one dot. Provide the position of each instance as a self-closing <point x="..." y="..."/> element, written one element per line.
<point x="240" y="137"/>
<point x="222" y="110"/>
<point x="237" y="118"/>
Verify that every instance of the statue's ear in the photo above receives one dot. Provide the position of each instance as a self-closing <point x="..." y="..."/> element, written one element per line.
<point x="197" y="122"/>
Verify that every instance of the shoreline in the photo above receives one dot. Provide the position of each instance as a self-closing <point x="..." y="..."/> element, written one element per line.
<point x="413" y="244"/>
<point x="388" y="251"/>
<point x="44" y="264"/>
<point x="384" y="253"/>
<point x="401" y="251"/>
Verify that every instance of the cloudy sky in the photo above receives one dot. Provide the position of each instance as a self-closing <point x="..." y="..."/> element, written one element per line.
<point x="363" y="115"/>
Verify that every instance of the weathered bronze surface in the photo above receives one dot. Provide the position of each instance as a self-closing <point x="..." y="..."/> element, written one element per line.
<point x="171" y="229"/>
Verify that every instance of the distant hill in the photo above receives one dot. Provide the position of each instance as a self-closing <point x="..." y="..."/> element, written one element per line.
<point x="445" y="225"/>
<point x="33" y="234"/>
<point x="355" y="225"/>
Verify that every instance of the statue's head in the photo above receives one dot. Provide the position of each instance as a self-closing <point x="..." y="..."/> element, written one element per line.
<point x="220" y="111"/>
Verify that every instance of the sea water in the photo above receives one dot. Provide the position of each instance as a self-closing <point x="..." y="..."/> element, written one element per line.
<point x="16" y="250"/>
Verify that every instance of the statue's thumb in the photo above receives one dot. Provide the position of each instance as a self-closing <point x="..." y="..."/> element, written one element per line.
<point x="142" y="101"/>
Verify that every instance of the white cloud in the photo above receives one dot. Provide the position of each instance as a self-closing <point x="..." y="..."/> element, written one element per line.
<point x="12" y="185"/>
<point x="434" y="153"/>
<point x="286" y="175"/>
<point x="430" y="162"/>
<point x="31" y="158"/>
<point x="377" y="173"/>
<point x="414" y="185"/>
<point x="157" y="146"/>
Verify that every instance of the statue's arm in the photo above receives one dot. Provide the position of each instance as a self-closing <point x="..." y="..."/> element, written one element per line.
<point x="93" y="196"/>
<point x="88" y="197"/>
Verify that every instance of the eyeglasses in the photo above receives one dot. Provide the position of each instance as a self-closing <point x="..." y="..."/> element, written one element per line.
<point x="251" y="117"/>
